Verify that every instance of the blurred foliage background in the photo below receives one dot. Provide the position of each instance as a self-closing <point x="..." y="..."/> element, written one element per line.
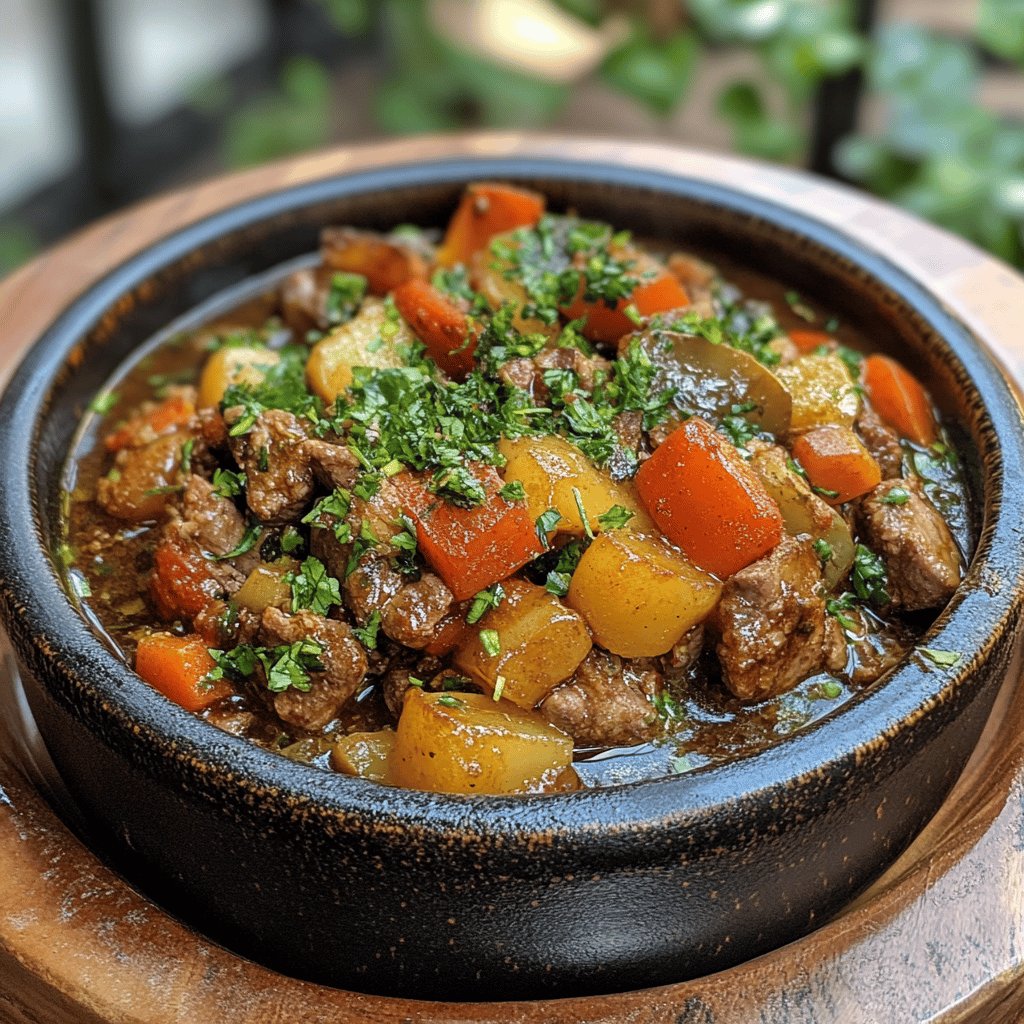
<point x="893" y="96"/>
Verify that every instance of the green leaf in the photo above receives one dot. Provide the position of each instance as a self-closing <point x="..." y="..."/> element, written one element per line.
<point x="944" y="659"/>
<point x="490" y="642"/>
<point x="313" y="588"/>
<point x="655" y="72"/>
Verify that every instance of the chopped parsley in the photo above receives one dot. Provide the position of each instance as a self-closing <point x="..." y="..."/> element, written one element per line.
<point x="560" y="576"/>
<point x="450" y="701"/>
<point x="823" y="550"/>
<point x="546" y="523"/>
<point x="615" y="518"/>
<point x="578" y="498"/>
<point x="667" y="707"/>
<point x="336" y="506"/>
<point x="944" y="659"/>
<point x="405" y="544"/>
<point x="104" y="402"/>
<point x="227" y="483"/>
<point x="367" y="635"/>
<point x="283" y="387"/>
<point x="344" y="297"/>
<point x="186" y="455"/>
<point x="246" y="544"/>
<point x="285" y="667"/>
<point x="490" y="642"/>
<point x="291" y="540"/>
<point x="513" y="491"/>
<point x="869" y="578"/>
<point x="896" y="496"/>
<point x="483" y="602"/>
<point x="313" y="587"/>
<point x="825" y="492"/>
<point x="838" y="607"/>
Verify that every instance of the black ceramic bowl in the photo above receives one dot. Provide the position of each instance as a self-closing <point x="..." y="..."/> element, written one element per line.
<point x="385" y="890"/>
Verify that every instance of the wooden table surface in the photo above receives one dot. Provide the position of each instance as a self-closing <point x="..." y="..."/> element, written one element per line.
<point x="938" y="939"/>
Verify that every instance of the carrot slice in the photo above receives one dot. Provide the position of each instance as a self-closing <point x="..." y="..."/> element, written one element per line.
<point x="899" y="398"/>
<point x="470" y="548"/>
<point x="487" y="209"/>
<point x="448" y="333"/>
<point x="177" y="667"/>
<point x="837" y="463"/>
<point x="181" y="585"/>
<point x="708" y="501"/>
<point x="606" y="323"/>
<point x="807" y="340"/>
<point x="384" y="264"/>
<point x="175" y="411"/>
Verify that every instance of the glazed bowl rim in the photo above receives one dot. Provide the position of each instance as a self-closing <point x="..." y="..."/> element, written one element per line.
<point x="32" y="590"/>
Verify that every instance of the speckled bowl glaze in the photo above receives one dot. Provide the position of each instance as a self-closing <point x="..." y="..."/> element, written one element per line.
<point x="407" y="893"/>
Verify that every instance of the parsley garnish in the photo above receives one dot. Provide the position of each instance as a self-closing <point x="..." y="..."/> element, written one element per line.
<point x="335" y="505"/>
<point x="823" y="550"/>
<point x="837" y="607"/>
<point x="896" y="496"/>
<point x="227" y="483"/>
<point x="405" y="543"/>
<point x="186" y="455"/>
<point x="104" y="402"/>
<point x="450" y="702"/>
<point x="668" y="708"/>
<point x="247" y="543"/>
<point x="313" y="588"/>
<point x="869" y="578"/>
<point x="825" y="492"/>
<point x="578" y="498"/>
<point x="283" y="387"/>
<point x="615" y="518"/>
<point x="291" y="540"/>
<point x="367" y="635"/>
<point x="484" y="601"/>
<point x="546" y="523"/>
<point x="344" y="297"/>
<point x="288" y="665"/>
<point x="513" y="491"/>
<point x="944" y="659"/>
<point x="559" y="578"/>
<point x="490" y="642"/>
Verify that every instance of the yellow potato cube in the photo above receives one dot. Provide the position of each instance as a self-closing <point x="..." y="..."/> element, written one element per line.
<point x="470" y="743"/>
<point x="541" y="644"/>
<point x="639" y="595"/>
<point x="822" y="391"/>
<point x="366" y="754"/>
<point x="239" y="364"/>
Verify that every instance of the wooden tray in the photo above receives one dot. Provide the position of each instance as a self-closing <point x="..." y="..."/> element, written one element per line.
<point x="938" y="939"/>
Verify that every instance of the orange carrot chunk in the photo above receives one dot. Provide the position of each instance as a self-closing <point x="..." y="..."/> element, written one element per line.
<point x="181" y="585"/>
<point x="177" y="667"/>
<point x="175" y="411"/>
<point x="807" y="340"/>
<point x="837" y="463"/>
<point x="487" y="209"/>
<point x="470" y="548"/>
<point x="448" y="333"/>
<point x="897" y="396"/>
<point x="708" y="501"/>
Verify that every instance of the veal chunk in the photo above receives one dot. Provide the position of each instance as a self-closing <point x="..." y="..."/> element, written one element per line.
<point x="771" y="622"/>
<point x="883" y="443"/>
<point x="920" y="555"/>
<point x="343" y="658"/>
<point x="607" y="702"/>
<point x="212" y="522"/>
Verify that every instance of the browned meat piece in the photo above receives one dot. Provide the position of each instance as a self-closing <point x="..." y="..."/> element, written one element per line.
<point x="836" y="650"/>
<point x="876" y="654"/>
<point x="412" y="615"/>
<point x="698" y="278"/>
<point x="883" y="443"/>
<point x="771" y="622"/>
<point x="522" y="373"/>
<point x="586" y="368"/>
<point x="141" y="482"/>
<point x="684" y="653"/>
<point x="333" y="464"/>
<point x="607" y="702"/>
<point x="304" y="297"/>
<point x="325" y="546"/>
<point x="278" y="469"/>
<point x="224" y="626"/>
<point x="920" y="555"/>
<point x="212" y="522"/>
<point x="370" y="587"/>
<point x="630" y="449"/>
<point x="212" y="428"/>
<point x="343" y="658"/>
<point x="384" y="262"/>
<point x="395" y="681"/>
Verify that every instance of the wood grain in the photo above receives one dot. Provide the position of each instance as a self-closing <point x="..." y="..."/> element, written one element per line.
<point x="938" y="939"/>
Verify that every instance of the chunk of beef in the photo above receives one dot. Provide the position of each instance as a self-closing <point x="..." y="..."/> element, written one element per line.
<point x="684" y="653"/>
<point x="607" y="702"/>
<point x="585" y="367"/>
<point x="698" y="278"/>
<point x="223" y="626"/>
<point x="913" y="540"/>
<point x="278" y="469"/>
<point x="334" y="464"/>
<point x="882" y="442"/>
<point x="142" y="480"/>
<point x="412" y="615"/>
<point x="212" y="522"/>
<point x="396" y="681"/>
<point x="522" y="373"/>
<point x="630" y="449"/>
<point x="771" y="622"/>
<point x="212" y="428"/>
<point x="370" y="587"/>
<point x="304" y="296"/>
<point x="383" y="261"/>
<point x="343" y="658"/>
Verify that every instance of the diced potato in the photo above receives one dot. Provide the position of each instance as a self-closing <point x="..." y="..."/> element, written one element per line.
<point x="265" y="586"/>
<point x="711" y="379"/>
<point x="470" y="743"/>
<point x="804" y="512"/>
<point x="233" y="364"/>
<point x="638" y="594"/>
<point x="366" y="754"/>
<point x="550" y="467"/>
<point x="542" y="643"/>
<point x="822" y="391"/>
<point x="360" y="342"/>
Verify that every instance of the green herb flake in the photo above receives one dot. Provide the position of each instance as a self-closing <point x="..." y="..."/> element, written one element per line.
<point x="313" y="588"/>
<point x="247" y="543"/>
<point x="615" y="518"/>
<point x="367" y="635"/>
<point x="546" y="523"/>
<point x="825" y="492"/>
<point x="490" y="642"/>
<point x="513" y="491"/>
<point x="291" y="540"/>
<point x="227" y="483"/>
<point x="944" y="659"/>
<point x="578" y="498"/>
<point x="450" y="702"/>
<point x="483" y="602"/>
<point x="186" y="455"/>
<point x="104" y="402"/>
<point x="344" y="297"/>
<point x="896" y="496"/>
<point x="499" y="688"/>
<point x="869" y="577"/>
<point x="823" y="550"/>
<point x="289" y="667"/>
